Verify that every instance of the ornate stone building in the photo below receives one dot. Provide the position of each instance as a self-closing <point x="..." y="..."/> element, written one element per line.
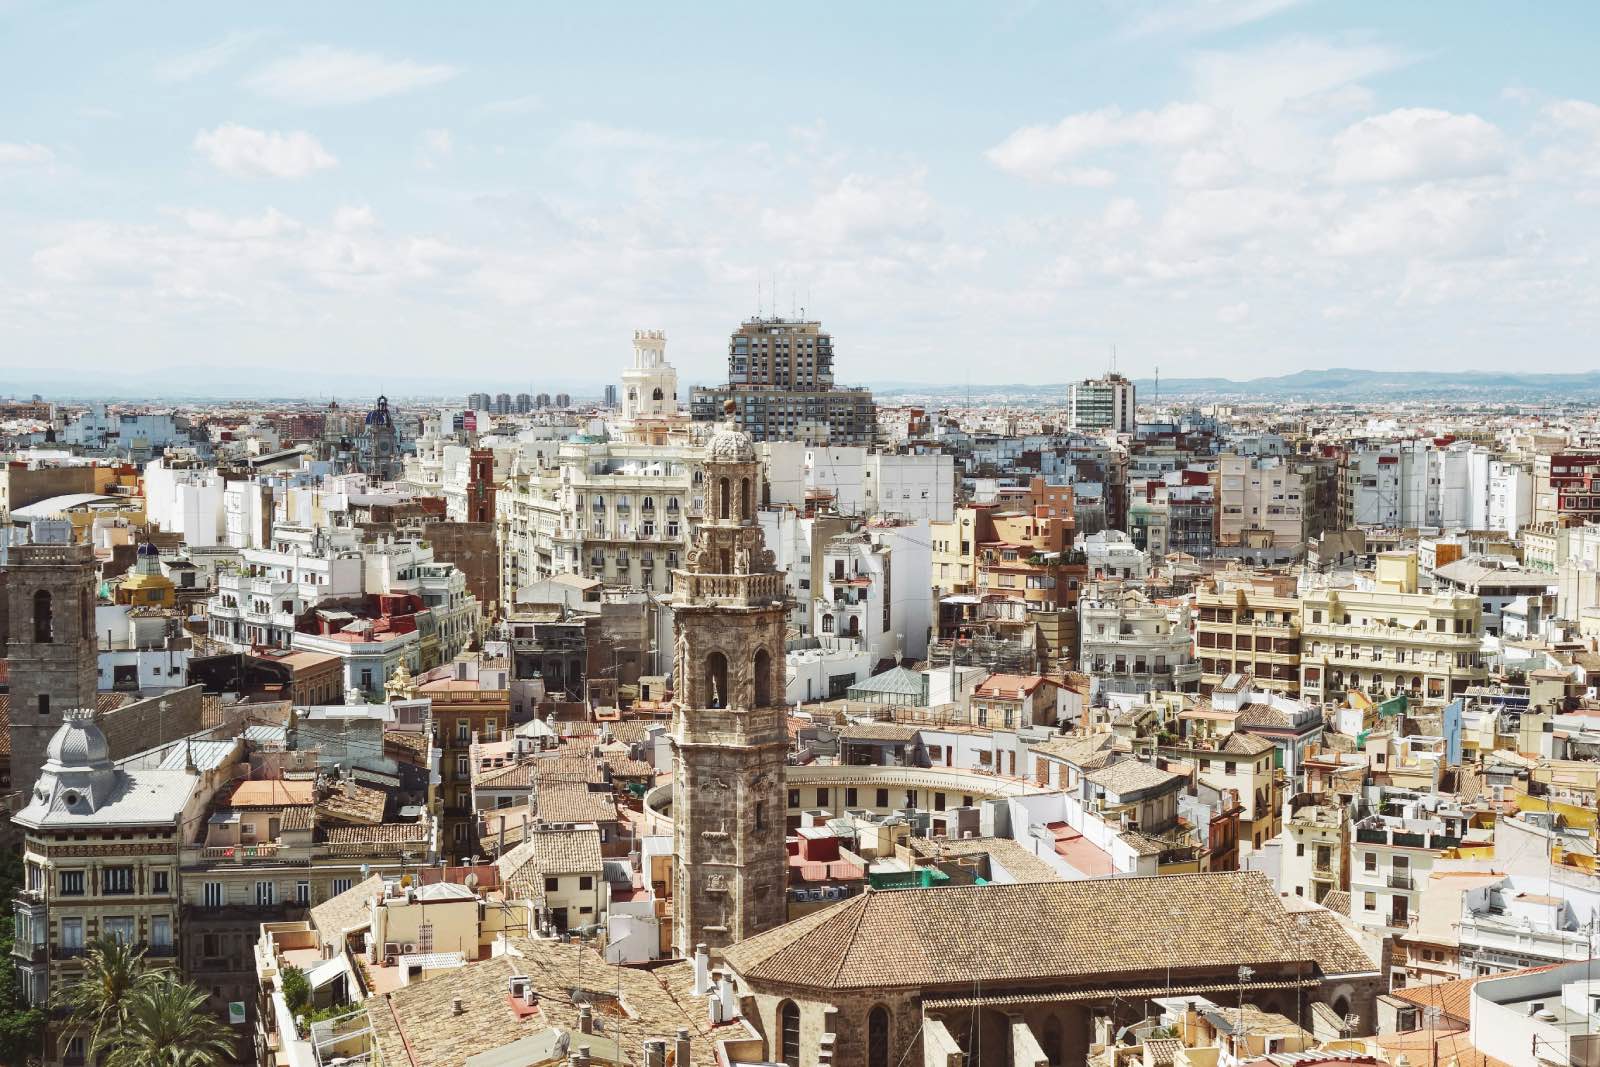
<point x="379" y="446"/>
<point x="728" y="731"/>
<point x="49" y="639"/>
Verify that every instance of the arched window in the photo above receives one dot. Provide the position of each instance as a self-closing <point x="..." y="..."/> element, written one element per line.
<point x="744" y="499"/>
<point x="763" y="669"/>
<point x="878" y="1037"/>
<point x="43" y="618"/>
<point x="657" y="394"/>
<point x="855" y="626"/>
<point x="789" y="1033"/>
<point x="716" y="680"/>
<point x="725" y="500"/>
<point x="827" y="624"/>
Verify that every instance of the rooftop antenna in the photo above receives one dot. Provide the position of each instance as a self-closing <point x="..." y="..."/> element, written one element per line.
<point x="1113" y="359"/>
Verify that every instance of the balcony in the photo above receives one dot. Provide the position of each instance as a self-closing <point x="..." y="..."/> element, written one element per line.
<point x="240" y="853"/>
<point x="1398" y="880"/>
<point x="29" y="953"/>
<point x="63" y="952"/>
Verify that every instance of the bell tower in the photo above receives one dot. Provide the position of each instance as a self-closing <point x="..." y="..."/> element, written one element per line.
<point x="729" y="735"/>
<point x="49" y="641"/>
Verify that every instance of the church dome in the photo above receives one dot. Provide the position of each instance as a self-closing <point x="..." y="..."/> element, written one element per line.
<point x="148" y="548"/>
<point x="730" y="444"/>
<point x="379" y="416"/>
<point x="78" y="743"/>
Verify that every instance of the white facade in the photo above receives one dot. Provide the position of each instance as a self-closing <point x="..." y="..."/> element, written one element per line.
<point x="877" y="589"/>
<point x="650" y="386"/>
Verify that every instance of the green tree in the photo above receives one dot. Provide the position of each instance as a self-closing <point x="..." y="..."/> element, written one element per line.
<point x="21" y="1027"/>
<point x="113" y="973"/>
<point x="167" y="1024"/>
<point x="296" y="990"/>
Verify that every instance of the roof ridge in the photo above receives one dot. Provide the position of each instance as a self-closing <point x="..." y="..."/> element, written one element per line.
<point x="861" y="914"/>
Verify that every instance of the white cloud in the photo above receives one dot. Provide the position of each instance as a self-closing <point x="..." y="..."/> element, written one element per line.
<point x="353" y="217"/>
<point x="249" y="153"/>
<point x="516" y="105"/>
<point x="1230" y="314"/>
<point x="1041" y="151"/>
<point x="202" y="61"/>
<point x="1258" y="82"/>
<point x="1417" y="144"/>
<point x="436" y="146"/>
<point x="13" y="154"/>
<point x="320" y="75"/>
<point x="271" y="223"/>
<point x="1204" y="168"/>
<point x="861" y="209"/>
<point x="1428" y="221"/>
<point x="1121" y="214"/>
<point x="1205" y="16"/>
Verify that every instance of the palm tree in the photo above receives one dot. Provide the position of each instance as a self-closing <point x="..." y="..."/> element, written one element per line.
<point x="99" y="1002"/>
<point x="167" y="1024"/>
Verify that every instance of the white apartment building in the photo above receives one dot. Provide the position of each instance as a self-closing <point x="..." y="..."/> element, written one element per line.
<point x="257" y="603"/>
<point x="1259" y="497"/>
<point x="1315" y="849"/>
<point x="1417" y="483"/>
<point x="1526" y="920"/>
<point x="875" y="588"/>
<point x="1129" y="645"/>
<point x="185" y="501"/>
<point x="1391" y="859"/>
<point x="1112" y="554"/>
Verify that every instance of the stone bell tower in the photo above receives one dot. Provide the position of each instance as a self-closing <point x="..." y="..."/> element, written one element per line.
<point x="728" y="729"/>
<point x="49" y="640"/>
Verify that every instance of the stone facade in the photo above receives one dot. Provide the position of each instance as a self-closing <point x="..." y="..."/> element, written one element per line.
<point x="50" y="642"/>
<point x="728" y="731"/>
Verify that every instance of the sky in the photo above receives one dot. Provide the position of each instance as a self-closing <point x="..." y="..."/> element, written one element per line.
<point x="987" y="193"/>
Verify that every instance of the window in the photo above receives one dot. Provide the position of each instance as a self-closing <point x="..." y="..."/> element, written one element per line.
<point x="881" y="800"/>
<point x="463" y="767"/>
<point x="822" y="798"/>
<point x="1299" y="849"/>
<point x="71" y="933"/>
<point x="1369" y="901"/>
<point x="850" y="797"/>
<point x="366" y="678"/>
<point x="302" y="893"/>
<point x="118" y="880"/>
<point x="1369" y="861"/>
<point x="161" y="932"/>
<point x="552" y="885"/>
<point x="424" y="937"/>
<point x="71" y="883"/>
<point x="878" y="1037"/>
<point x="266" y="893"/>
<point x="120" y="929"/>
<point x="789" y="1033"/>
<point x="761" y="815"/>
<point x="340" y="885"/>
<point x="43" y="618"/>
<point x="794" y="798"/>
<point x="586" y="882"/>
<point x="44" y="703"/>
<point x="214" y="894"/>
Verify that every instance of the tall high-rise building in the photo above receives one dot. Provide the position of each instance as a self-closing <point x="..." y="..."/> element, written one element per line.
<point x="611" y="396"/>
<point x="563" y="400"/>
<point x="728" y="732"/>
<point x="50" y="643"/>
<point x="780" y="379"/>
<point x="524" y="403"/>
<point x="1103" y="405"/>
<point x="477" y="401"/>
<point x="502" y="404"/>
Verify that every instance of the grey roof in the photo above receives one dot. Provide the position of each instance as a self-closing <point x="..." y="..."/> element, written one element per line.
<point x="901" y="681"/>
<point x="79" y="786"/>
<point x="51" y="506"/>
<point x="207" y="755"/>
<point x="1131" y="776"/>
<point x="264" y="734"/>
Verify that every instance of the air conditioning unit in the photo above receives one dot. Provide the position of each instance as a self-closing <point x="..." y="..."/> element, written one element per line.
<point x="408" y="949"/>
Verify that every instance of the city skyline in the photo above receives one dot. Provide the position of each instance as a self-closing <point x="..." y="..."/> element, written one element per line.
<point x="1238" y="188"/>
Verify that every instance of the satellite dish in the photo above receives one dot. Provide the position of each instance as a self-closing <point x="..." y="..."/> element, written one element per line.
<point x="471" y="880"/>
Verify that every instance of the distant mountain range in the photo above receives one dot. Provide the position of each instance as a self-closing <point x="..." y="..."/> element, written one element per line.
<point x="1341" y="383"/>
<point x="249" y="381"/>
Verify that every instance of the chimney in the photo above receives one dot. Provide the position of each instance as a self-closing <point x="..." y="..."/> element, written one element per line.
<point x="530" y="997"/>
<point x="580" y="1058"/>
<point x="457" y="1007"/>
<point x="655" y="1053"/>
<point x="680" y="1056"/>
<point x="585" y="1019"/>
<point x="702" y="970"/>
<point x="725" y="996"/>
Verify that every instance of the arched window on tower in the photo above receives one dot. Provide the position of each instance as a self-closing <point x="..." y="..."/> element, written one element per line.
<point x="744" y="499"/>
<point x="878" y="1037"/>
<point x="657" y="394"/>
<point x="763" y="669"/>
<point x="43" y="618"/>
<point x="716" y="680"/>
<point x="789" y="1033"/>
<point x="724" y="505"/>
